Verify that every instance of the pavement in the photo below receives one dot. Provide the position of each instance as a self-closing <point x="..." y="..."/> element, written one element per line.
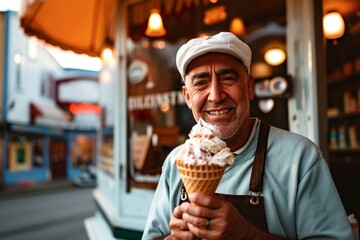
<point x="27" y="188"/>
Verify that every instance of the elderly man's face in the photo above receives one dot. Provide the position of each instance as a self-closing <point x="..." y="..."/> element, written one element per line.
<point x="218" y="90"/>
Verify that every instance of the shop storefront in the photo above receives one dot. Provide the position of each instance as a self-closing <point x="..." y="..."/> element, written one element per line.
<point x="146" y="117"/>
<point x="49" y="115"/>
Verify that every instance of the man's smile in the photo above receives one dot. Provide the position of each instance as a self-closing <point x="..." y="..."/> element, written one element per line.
<point x="218" y="112"/>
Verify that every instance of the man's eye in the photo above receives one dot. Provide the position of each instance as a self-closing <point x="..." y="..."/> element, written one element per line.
<point x="199" y="83"/>
<point x="228" y="79"/>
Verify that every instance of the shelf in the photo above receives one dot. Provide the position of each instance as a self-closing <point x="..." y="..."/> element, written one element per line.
<point x="344" y="116"/>
<point x="345" y="150"/>
<point x="344" y="80"/>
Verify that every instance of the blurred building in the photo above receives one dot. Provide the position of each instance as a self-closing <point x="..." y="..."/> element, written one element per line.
<point x="49" y="114"/>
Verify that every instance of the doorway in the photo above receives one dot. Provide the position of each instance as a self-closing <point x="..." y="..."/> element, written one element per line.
<point x="57" y="153"/>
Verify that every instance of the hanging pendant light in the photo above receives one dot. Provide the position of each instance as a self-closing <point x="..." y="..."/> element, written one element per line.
<point x="237" y="27"/>
<point x="334" y="26"/>
<point x="155" y="26"/>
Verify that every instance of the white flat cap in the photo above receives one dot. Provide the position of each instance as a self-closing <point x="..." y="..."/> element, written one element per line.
<point x="223" y="42"/>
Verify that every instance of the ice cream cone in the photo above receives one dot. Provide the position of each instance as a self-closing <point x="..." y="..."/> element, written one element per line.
<point x="200" y="178"/>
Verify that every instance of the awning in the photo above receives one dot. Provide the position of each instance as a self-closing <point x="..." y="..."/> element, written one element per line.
<point x="48" y="114"/>
<point x="83" y="26"/>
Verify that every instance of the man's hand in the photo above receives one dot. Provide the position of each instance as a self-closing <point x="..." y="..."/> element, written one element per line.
<point x="212" y="218"/>
<point x="209" y="217"/>
<point x="178" y="226"/>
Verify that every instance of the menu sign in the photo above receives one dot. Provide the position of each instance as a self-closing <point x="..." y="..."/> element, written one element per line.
<point x="140" y="148"/>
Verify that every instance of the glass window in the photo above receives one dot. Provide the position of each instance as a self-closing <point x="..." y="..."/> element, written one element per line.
<point x="25" y="152"/>
<point x="158" y="118"/>
<point x="82" y="150"/>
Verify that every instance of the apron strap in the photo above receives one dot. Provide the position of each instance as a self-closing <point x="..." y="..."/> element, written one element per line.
<point x="257" y="173"/>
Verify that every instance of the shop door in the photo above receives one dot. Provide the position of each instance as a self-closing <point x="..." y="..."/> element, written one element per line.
<point x="58" y="158"/>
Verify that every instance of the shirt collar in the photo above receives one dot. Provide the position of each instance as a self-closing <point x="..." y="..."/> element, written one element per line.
<point x="250" y="138"/>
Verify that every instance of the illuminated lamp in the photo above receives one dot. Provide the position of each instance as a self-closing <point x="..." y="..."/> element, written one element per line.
<point x="107" y="55"/>
<point x="333" y="25"/>
<point x="237" y="27"/>
<point x="275" y="56"/>
<point x="215" y="15"/>
<point x="155" y="26"/>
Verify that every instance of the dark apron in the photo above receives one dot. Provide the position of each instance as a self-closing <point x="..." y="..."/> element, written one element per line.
<point x="250" y="206"/>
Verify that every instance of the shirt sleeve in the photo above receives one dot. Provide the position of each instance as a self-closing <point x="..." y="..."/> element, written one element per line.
<point x="164" y="201"/>
<point x="319" y="210"/>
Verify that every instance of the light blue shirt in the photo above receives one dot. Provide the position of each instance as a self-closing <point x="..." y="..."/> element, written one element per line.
<point x="301" y="200"/>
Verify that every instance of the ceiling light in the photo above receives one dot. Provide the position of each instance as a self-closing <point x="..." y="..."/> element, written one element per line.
<point x="275" y="56"/>
<point x="155" y="26"/>
<point x="334" y="26"/>
<point x="215" y="15"/>
<point x="237" y="27"/>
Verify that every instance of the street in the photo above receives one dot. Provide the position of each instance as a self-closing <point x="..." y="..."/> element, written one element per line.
<point x="51" y="214"/>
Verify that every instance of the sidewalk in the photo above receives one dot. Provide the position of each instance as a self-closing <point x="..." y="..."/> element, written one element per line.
<point x="27" y="188"/>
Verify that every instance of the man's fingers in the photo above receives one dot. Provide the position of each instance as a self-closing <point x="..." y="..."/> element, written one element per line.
<point x="176" y="221"/>
<point x="204" y="200"/>
<point x="196" y="221"/>
<point x="177" y="213"/>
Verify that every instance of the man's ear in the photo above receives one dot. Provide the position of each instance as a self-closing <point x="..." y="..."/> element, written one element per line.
<point x="186" y="96"/>
<point x="250" y="85"/>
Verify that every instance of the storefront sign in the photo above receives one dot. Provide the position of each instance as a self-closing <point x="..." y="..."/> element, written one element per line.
<point x="150" y="101"/>
<point x="80" y="108"/>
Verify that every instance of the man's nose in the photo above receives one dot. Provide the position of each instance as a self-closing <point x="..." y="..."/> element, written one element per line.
<point x="215" y="94"/>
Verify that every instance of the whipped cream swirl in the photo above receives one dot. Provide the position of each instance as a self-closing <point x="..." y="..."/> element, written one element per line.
<point x="204" y="146"/>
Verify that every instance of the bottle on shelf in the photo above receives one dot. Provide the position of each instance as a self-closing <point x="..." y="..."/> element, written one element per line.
<point x="333" y="139"/>
<point x="342" y="137"/>
<point x="350" y="105"/>
<point x="353" y="138"/>
<point x="358" y="100"/>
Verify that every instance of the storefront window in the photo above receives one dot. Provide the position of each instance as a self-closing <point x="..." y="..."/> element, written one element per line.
<point x="25" y="152"/>
<point x="82" y="150"/>
<point x="158" y="118"/>
<point x="107" y="151"/>
<point x="38" y="151"/>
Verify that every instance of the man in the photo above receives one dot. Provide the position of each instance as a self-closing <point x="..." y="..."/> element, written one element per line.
<point x="279" y="185"/>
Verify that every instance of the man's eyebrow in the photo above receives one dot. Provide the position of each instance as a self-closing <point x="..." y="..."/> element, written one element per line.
<point x="200" y="75"/>
<point x="227" y="71"/>
<point x="220" y="72"/>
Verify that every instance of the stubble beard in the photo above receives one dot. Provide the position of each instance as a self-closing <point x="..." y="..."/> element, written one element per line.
<point x="227" y="132"/>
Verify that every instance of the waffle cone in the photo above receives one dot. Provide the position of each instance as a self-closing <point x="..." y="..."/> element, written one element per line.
<point x="201" y="178"/>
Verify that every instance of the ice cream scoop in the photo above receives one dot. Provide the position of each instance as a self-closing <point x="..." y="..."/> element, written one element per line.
<point x="202" y="159"/>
